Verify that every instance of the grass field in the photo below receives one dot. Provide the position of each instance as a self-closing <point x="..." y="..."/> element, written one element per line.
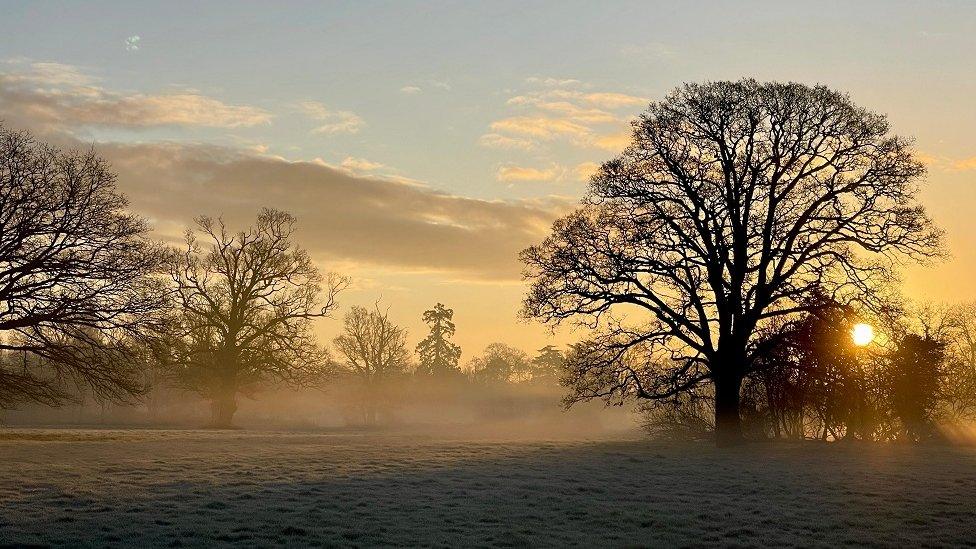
<point x="189" y="488"/>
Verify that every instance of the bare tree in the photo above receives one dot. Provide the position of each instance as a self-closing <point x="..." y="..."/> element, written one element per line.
<point x="80" y="279"/>
<point x="960" y="335"/>
<point x="734" y="203"/>
<point x="375" y="353"/>
<point x="501" y="363"/>
<point x="249" y="300"/>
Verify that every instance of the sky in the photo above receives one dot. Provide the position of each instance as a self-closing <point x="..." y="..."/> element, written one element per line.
<point x="423" y="144"/>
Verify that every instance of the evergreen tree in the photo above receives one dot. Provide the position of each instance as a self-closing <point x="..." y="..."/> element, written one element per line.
<point x="548" y="364"/>
<point x="439" y="356"/>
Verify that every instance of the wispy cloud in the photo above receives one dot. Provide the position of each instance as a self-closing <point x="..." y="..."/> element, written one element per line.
<point x="585" y="170"/>
<point x="520" y="173"/>
<point x="943" y="162"/>
<point x="964" y="165"/>
<point x="552" y="82"/>
<point x="411" y="89"/>
<point x="499" y="141"/>
<point x="331" y="121"/>
<point x="359" y="165"/>
<point x="63" y="96"/>
<point x="540" y="127"/>
<point x="561" y="111"/>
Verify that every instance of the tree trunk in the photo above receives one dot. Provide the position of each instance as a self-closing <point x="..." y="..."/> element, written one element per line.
<point x="728" y="422"/>
<point x="224" y="406"/>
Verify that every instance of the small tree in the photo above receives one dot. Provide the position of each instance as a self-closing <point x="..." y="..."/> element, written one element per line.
<point x="547" y="366"/>
<point x="500" y="363"/>
<point x="735" y="203"/>
<point x="80" y="279"/>
<point x="248" y="303"/>
<point x="914" y="376"/>
<point x="439" y="356"/>
<point x="960" y="336"/>
<point x="375" y="353"/>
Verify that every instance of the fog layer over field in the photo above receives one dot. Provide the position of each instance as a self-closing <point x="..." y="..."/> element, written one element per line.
<point x="459" y="406"/>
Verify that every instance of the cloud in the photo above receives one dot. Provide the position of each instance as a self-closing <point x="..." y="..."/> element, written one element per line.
<point x="518" y="173"/>
<point x="943" y="162"/>
<point x="59" y="96"/>
<point x="553" y="82"/>
<point x="614" y="142"/>
<point x="611" y="100"/>
<point x="565" y="109"/>
<point x="332" y="121"/>
<point x="965" y="164"/>
<point x="585" y="170"/>
<point x="132" y="43"/>
<point x="540" y="127"/>
<point x="342" y="216"/>
<point x="499" y="141"/>
<point x="585" y="119"/>
<point x="431" y="84"/>
<point x="360" y="164"/>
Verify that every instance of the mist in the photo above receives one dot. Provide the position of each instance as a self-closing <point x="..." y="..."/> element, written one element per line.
<point x="446" y="409"/>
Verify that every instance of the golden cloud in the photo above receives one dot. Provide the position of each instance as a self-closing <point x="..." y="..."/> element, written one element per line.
<point x="540" y="127"/>
<point x="62" y="96"/>
<point x="586" y="119"/>
<point x="518" y="173"/>
<point x="342" y="216"/>
<point x="331" y="121"/>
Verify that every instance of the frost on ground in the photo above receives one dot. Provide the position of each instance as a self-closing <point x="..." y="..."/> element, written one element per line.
<point x="170" y="488"/>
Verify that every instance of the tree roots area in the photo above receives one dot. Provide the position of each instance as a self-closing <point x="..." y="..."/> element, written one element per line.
<point x="143" y="488"/>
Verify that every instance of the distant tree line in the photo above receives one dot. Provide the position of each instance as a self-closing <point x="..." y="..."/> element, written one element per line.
<point x="92" y="306"/>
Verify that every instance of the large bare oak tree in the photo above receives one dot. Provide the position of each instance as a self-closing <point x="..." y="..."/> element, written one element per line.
<point x="735" y="203"/>
<point x="248" y="303"/>
<point x="80" y="279"/>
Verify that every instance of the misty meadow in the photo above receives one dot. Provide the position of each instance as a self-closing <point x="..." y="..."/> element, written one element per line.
<point x="487" y="275"/>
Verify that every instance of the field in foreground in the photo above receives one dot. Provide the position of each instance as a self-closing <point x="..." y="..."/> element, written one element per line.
<point x="172" y="488"/>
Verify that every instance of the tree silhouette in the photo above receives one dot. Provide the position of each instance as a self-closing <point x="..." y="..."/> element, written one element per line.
<point x="960" y="392"/>
<point x="500" y="363"/>
<point x="439" y="356"/>
<point x="734" y="203"/>
<point x="914" y="377"/>
<point x="375" y="352"/>
<point x="248" y="302"/>
<point x="811" y="377"/>
<point x="80" y="279"/>
<point x="547" y="366"/>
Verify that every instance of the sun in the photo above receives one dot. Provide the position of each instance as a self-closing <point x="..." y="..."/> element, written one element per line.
<point x="862" y="334"/>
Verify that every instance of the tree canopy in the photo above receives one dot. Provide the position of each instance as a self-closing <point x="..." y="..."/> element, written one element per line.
<point x="438" y="355"/>
<point x="248" y="300"/>
<point x="733" y="206"/>
<point x="80" y="277"/>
